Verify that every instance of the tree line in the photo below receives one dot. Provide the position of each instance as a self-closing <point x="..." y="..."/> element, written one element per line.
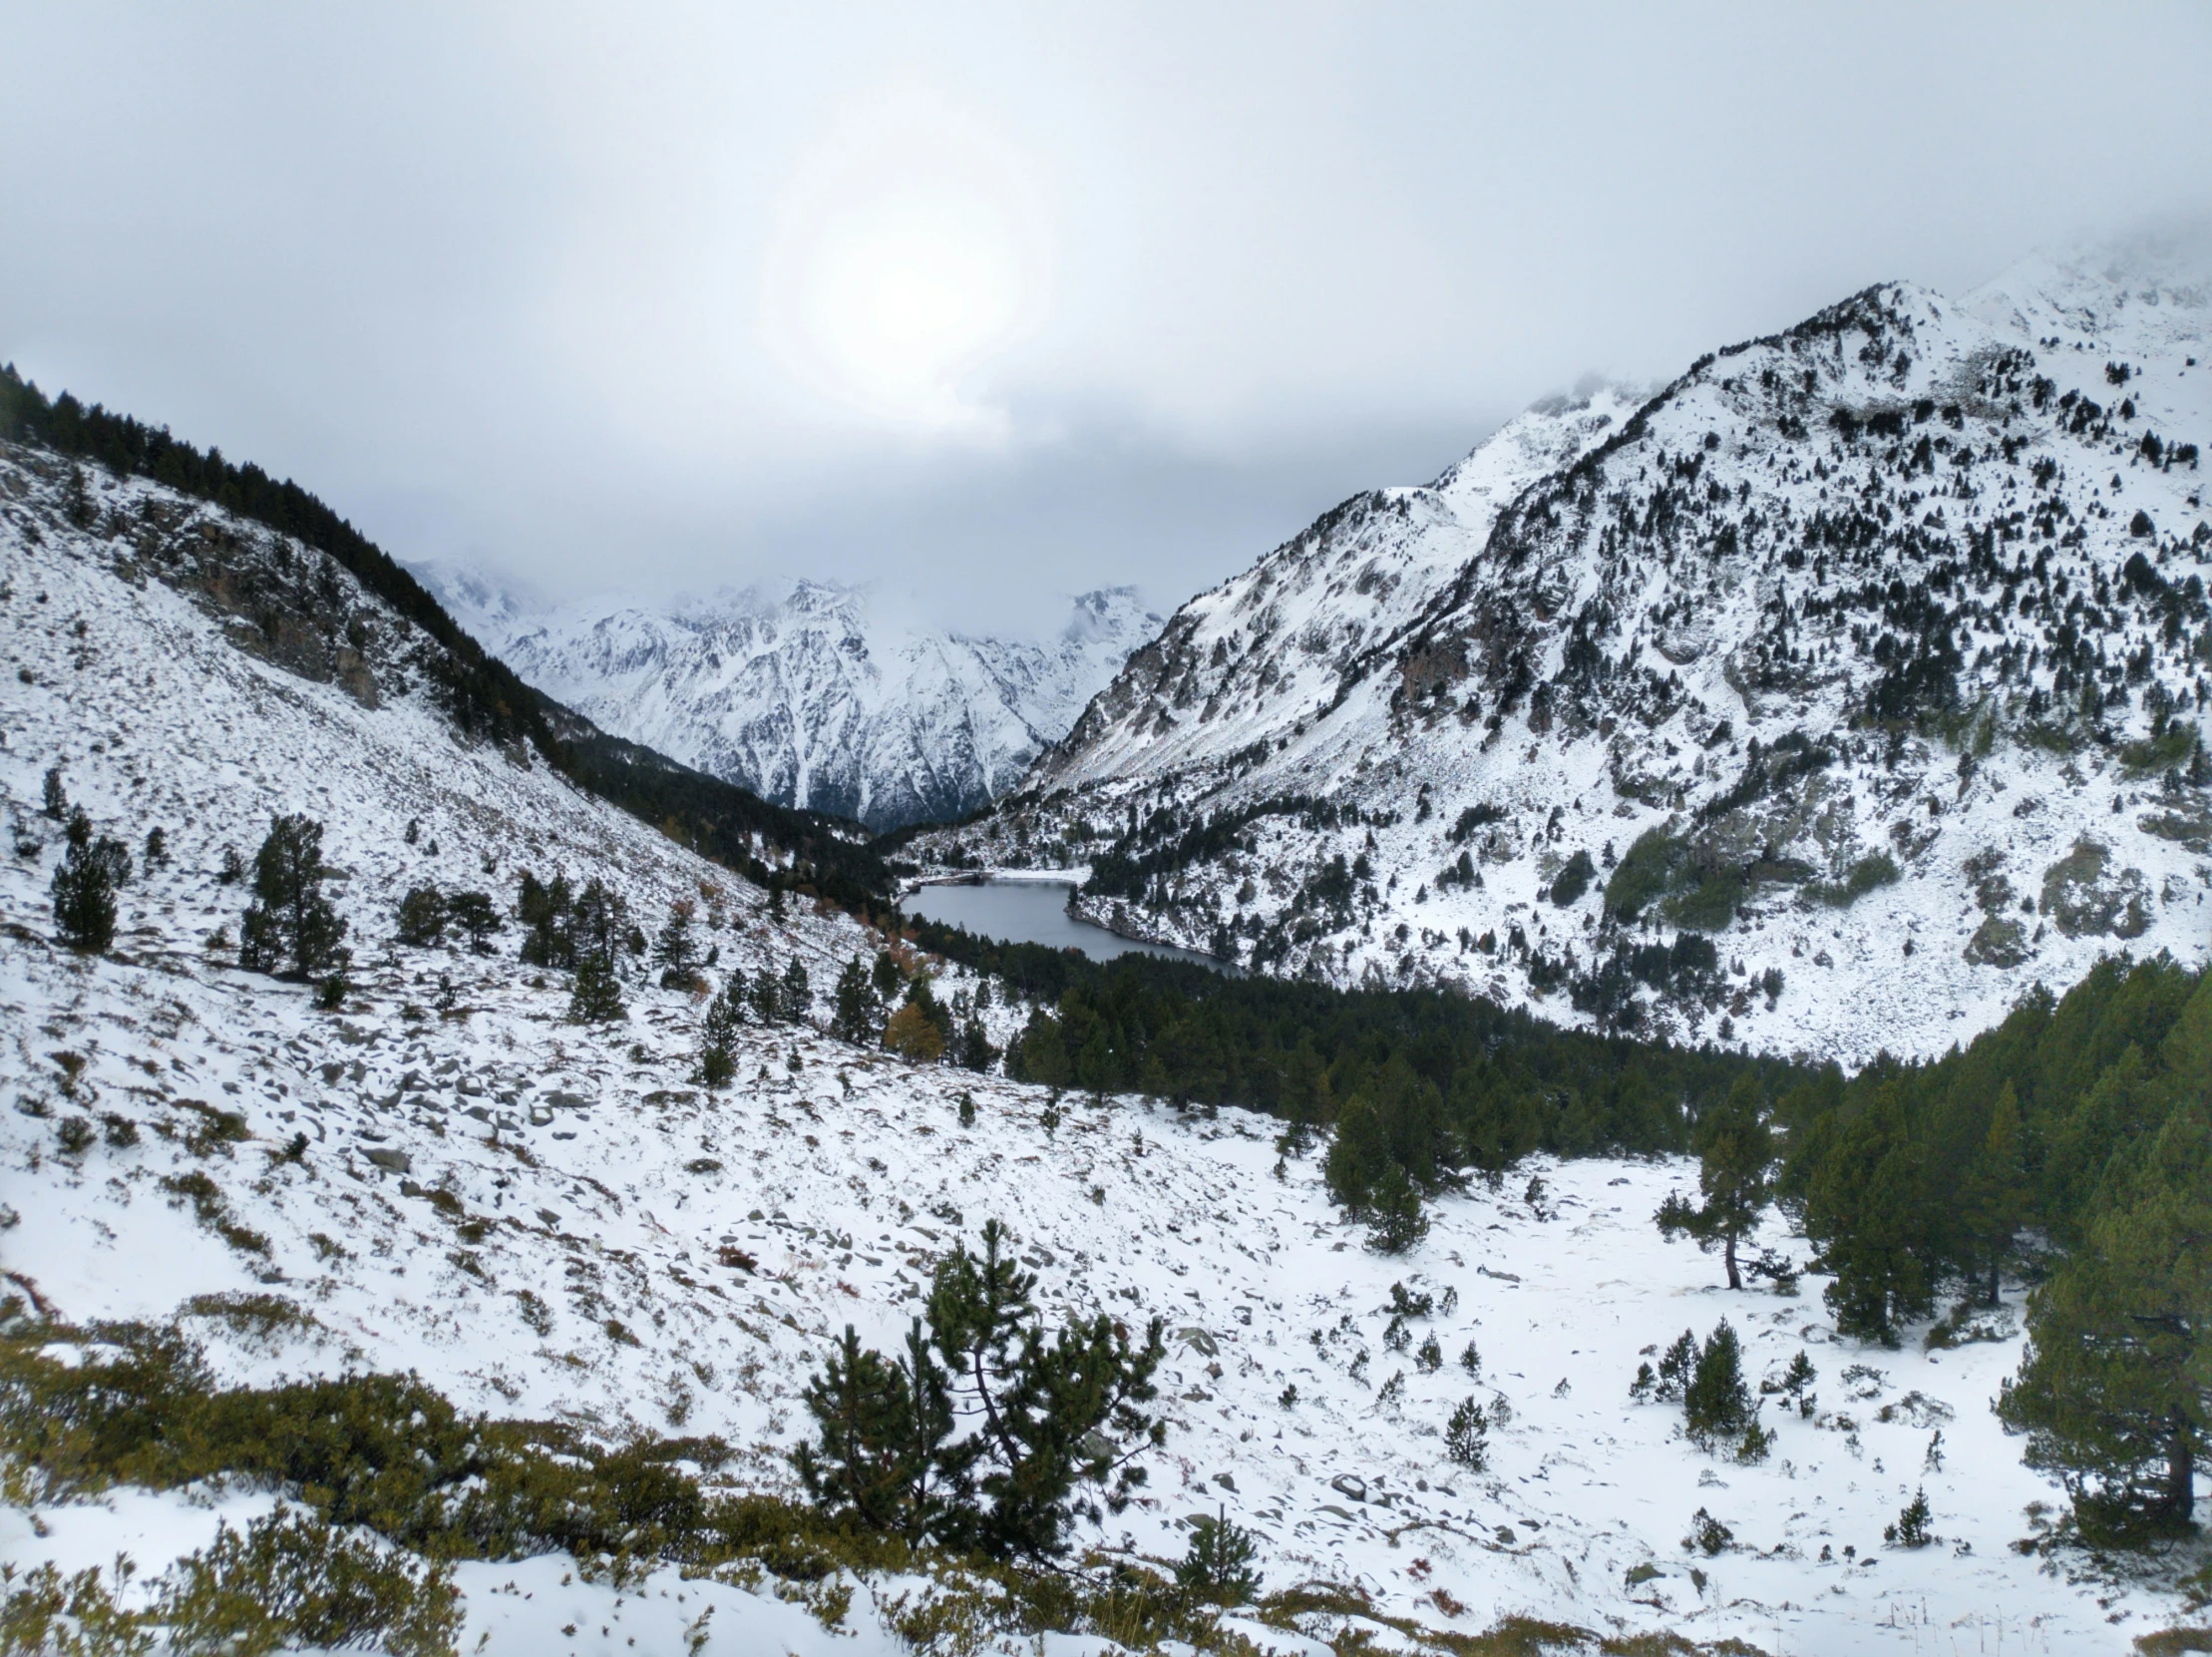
<point x="1416" y="1088"/>
<point x="2071" y="1144"/>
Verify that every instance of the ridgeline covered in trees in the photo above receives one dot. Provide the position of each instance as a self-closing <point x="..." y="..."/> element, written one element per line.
<point x="481" y="694"/>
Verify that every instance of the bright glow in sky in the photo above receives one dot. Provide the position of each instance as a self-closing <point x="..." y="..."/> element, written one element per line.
<point x="901" y="261"/>
<point x="995" y="302"/>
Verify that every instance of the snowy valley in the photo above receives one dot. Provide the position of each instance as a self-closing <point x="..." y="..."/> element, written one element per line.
<point x="1657" y="633"/>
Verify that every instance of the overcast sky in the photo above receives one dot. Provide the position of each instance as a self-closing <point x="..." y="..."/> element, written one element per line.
<point x="994" y="305"/>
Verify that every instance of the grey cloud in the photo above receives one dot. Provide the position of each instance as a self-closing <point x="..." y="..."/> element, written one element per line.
<point x="595" y="296"/>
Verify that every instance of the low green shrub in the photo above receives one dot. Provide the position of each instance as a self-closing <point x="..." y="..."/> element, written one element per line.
<point x="290" y="1580"/>
<point x="1875" y="870"/>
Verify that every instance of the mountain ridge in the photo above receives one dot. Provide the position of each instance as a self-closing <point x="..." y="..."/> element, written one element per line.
<point x="1772" y="640"/>
<point x="803" y="694"/>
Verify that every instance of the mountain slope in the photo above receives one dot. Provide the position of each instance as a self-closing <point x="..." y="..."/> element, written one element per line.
<point x="1869" y="656"/>
<point x="553" y="1221"/>
<point x="808" y="697"/>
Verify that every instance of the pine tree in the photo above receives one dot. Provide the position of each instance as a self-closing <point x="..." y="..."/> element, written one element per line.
<point x="1043" y="1051"/>
<point x="1735" y="1152"/>
<point x="973" y="1049"/>
<point x="1358" y="1156"/>
<point x="1054" y="1414"/>
<point x="1307" y="1103"/>
<point x="155" y="855"/>
<point x="718" y="1033"/>
<point x="1717" y="1404"/>
<point x="291" y="926"/>
<point x="767" y="998"/>
<point x="84" y="886"/>
<point x="859" y="1010"/>
<point x="2115" y="1391"/>
<point x="1394" y="1220"/>
<point x="546" y="911"/>
<point x="1911" y="1528"/>
<point x="422" y="917"/>
<point x="675" y="951"/>
<point x="881" y="1458"/>
<point x="1467" y="1436"/>
<point x="888" y="977"/>
<point x="56" y="797"/>
<point x="797" y="1000"/>
<point x="1994" y="1198"/>
<point x="1057" y="1418"/>
<point x="1867" y="1210"/>
<point x="595" y="997"/>
<point x="476" y="915"/>
<point x="600" y="925"/>
<point x="1218" y="1568"/>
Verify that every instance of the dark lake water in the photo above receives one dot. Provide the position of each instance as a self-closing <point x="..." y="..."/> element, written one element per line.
<point x="1030" y="911"/>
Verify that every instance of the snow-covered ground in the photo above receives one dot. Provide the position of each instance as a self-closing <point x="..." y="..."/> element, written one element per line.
<point x="547" y="1220"/>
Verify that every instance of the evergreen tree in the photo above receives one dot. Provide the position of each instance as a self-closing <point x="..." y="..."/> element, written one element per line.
<point x="476" y="915"/>
<point x="1306" y="1104"/>
<point x="1054" y="1413"/>
<point x="1467" y="1436"/>
<point x="1668" y="1382"/>
<point x="55" y="797"/>
<point x="155" y="855"/>
<point x="595" y="997"/>
<point x="718" y="1033"/>
<point x="859" y="1010"/>
<point x="1868" y="1208"/>
<point x="797" y="1000"/>
<point x="1718" y="1404"/>
<point x="1395" y="1220"/>
<point x="675" y="951"/>
<point x="767" y="998"/>
<point x="1994" y="1198"/>
<point x="1735" y="1154"/>
<point x="291" y="926"/>
<point x="1219" y="1567"/>
<point x="1043" y="1051"/>
<point x="973" y="1049"/>
<point x="422" y="917"/>
<point x="888" y="977"/>
<point x="1056" y="1418"/>
<point x="84" y="886"/>
<point x="1911" y="1528"/>
<point x="1356" y="1156"/>
<point x="545" y="911"/>
<point x="882" y="1457"/>
<point x="2115" y="1391"/>
<point x="600" y="926"/>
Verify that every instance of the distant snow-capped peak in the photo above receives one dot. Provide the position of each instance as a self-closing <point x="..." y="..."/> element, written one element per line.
<point x="808" y="692"/>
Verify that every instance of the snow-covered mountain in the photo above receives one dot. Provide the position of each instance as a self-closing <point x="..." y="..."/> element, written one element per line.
<point x="1873" y="655"/>
<point x="807" y="697"/>
<point x="553" y="1222"/>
